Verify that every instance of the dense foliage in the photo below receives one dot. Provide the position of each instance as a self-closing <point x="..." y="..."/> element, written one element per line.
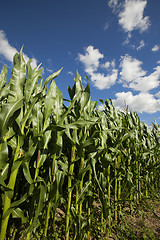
<point x="68" y="170"/>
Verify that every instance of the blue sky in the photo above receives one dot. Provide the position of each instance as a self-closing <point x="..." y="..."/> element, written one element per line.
<point x="115" y="42"/>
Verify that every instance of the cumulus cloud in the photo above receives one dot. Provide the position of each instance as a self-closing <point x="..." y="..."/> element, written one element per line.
<point x="104" y="74"/>
<point x="155" y="48"/>
<point x="8" y="51"/>
<point x="90" y="59"/>
<point x="158" y="95"/>
<point x="130" y="14"/>
<point x="91" y="62"/>
<point x="131" y="68"/>
<point x="70" y="73"/>
<point x="49" y="70"/>
<point x="142" y="44"/>
<point x="103" y="82"/>
<point x="113" y="4"/>
<point x="5" y="49"/>
<point x="106" y="65"/>
<point x="133" y="76"/>
<point x="143" y="102"/>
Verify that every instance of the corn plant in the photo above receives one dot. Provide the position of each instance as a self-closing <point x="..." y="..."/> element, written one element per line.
<point x="69" y="170"/>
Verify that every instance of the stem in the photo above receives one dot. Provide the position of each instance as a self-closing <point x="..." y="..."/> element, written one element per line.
<point x="35" y="176"/>
<point x="81" y="185"/>
<point x="78" y="191"/>
<point x="37" y="167"/>
<point x="76" y="204"/>
<point x="137" y="181"/>
<point x="47" y="219"/>
<point x="119" y="185"/>
<point x="49" y="203"/>
<point x="89" y="208"/>
<point x="28" y="234"/>
<point x="146" y="186"/>
<point x="71" y="168"/>
<point x="102" y="224"/>
<point x="131" y="195"/>
<point x="139" y="184"/>
<point x="76" y="207"/>
<point x="7" y="200"/>
<point x="109" y="195"/>
<point x="115" y="191"/>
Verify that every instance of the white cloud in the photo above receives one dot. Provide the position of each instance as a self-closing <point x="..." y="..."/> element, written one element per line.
<point x="131" y="17"/>
<point x="5" y="49"/>
<point x="8" y="51"/>
<point x="142" y="44"/>
<point x="133" y="76"/>
<point x="158" y="95"/>
<point x="143" y="102"/>
<point x="103" y="82"/>
<point x="131" y="14"/>
<point x="70" y="73"/>
<point x="155" y="48"/>
<point x="127" y="39"/>
<point x="113" y="4"/>
<point x="131" y="68"/>
<point x="91" y="61"/>
<point x="106" y="26"/>
<point x="49" y="70"/>
<point x="106" y="65"/>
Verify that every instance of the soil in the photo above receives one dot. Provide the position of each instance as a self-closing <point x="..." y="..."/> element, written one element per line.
<point x="143" y="224"/>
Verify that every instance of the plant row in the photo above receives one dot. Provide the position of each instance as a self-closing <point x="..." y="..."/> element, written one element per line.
<point x="68" y="170"/>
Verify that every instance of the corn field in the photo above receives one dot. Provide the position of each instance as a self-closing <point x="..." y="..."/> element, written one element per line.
<point x="67" y="168"/>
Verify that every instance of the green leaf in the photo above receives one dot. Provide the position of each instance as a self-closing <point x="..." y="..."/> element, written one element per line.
<point x="93" y="164"/>
<point x="37" y="118"/>
<point x="25" y="157"/>
<point x="26" y="172"/>
<point x="18" y="213"/>
<point x="54" y="127"/>
<point x="33" y="76"/>
<point x="83" y="191"/>
<point x="78" y="82"/>
<point x="129" y="176"/>
<point x="12" y="142"/>
<point x="3" y="78"/>
<point x="44" y="152"/>
<point x="52" y="76"/>
<point x="80" y="123"/>
<point x="41" y="197"/>
<point x="74" y="125"/>
<point x="4" y="171"/>
<point x="18" y="76"/>
<point x="53" y="103"/>
<point x="9" y="191"/>
<point x="29" y="111"/>
<point x="6" y="113"/>
<point x="5" y="92"/>
<point x="3" y="154"/>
